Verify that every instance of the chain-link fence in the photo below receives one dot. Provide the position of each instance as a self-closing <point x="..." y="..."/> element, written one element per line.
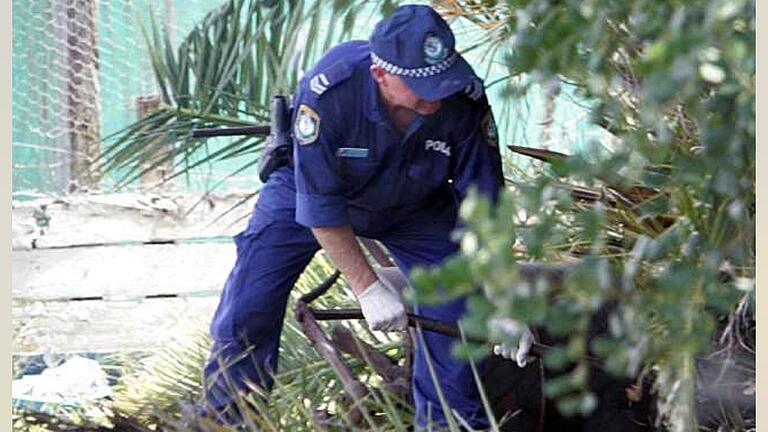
<point x="78" y="68"/>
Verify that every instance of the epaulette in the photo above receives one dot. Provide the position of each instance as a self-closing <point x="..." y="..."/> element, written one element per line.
<point x="329" y="77"/>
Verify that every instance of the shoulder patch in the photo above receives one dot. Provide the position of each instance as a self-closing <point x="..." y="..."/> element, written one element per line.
<point x="475" y="89"/>
<point x="488" y="128"/>
<point x="307" y="126"/>
<point x="329" y="77"/>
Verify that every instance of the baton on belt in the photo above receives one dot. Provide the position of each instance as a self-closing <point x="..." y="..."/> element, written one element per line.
<point x="260" y="130"/>
<point x="277" y="151"/>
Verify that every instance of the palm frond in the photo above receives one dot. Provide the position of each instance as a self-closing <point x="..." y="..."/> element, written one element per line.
<point x="224" y="72"/>
<point x="163" y="389"/>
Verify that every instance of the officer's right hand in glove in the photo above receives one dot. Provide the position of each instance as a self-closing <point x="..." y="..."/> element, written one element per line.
<point x="380" y="301"/>
<point x="520" y="354"/>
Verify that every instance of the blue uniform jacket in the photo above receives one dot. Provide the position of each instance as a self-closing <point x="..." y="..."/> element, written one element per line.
<point x="353" y="167"/>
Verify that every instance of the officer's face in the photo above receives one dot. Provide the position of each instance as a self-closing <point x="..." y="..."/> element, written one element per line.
<point x="397" y="94"/>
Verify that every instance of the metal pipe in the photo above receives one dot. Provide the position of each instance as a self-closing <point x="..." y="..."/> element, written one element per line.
<point x="429" y="324"/>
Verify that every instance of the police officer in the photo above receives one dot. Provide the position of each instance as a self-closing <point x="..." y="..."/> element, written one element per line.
<point x="389" y="134"/>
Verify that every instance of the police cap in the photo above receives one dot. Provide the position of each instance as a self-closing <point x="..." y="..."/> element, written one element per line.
<point x="416" y="44"/>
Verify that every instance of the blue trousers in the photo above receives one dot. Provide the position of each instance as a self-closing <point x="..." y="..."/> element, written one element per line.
<point x="271" y="254"/>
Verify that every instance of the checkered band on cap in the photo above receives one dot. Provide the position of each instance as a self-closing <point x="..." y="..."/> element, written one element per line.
<point x="422" y="72"/>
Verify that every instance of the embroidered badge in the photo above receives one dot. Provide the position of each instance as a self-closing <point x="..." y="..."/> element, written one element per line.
<point x="307" y="126"/>
<point x="434" y="49"/>
<point x="438" y="146"/>
<point x="490" y="133"/>
<point x="475" y="89"/>
<point x="352" y="152"/>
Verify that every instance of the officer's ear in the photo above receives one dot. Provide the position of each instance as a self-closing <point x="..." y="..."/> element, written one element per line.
<point x="379" y="75"/>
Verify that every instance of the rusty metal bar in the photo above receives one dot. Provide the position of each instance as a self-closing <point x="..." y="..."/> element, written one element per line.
<point x="377" y="252"/>
<point x="394" y="376"/>
<point x="320" y="289"/>
<point x="448" y="329"/>
<point x="328" y="351"/>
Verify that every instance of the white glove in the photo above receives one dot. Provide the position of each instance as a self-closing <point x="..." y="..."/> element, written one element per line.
<point x="381" y="304"/>
<point x="521" y="353"/>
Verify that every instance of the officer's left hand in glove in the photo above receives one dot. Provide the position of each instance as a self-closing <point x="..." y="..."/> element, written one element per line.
<point x="520" y="354"/>
<point x="380" y="301"/>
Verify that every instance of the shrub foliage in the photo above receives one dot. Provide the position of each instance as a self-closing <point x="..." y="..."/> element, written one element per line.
<point x="668" y="231"/>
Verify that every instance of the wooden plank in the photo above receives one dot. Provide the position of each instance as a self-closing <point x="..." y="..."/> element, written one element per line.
<point x="121" y="272"/>
<point x="115" y="218"/>
<point x="99" y="326"/>
<point x="83" y="107"/>
<point x="121" y="279"/>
